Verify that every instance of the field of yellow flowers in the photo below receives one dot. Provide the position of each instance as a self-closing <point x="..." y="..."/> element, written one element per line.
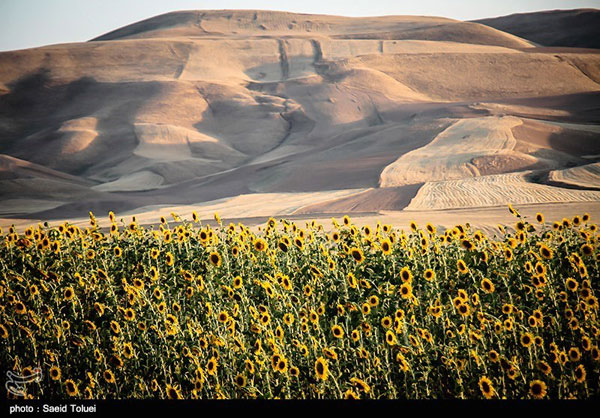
<point x="302" y="311"/>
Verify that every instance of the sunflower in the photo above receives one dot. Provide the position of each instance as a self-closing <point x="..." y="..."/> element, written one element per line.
<point x="128" y="350"/>
<point x="430" y="228"/>
<point x="283" y="246"/>
<point x="386" y="322"/>
<point x="366" y="308"/>
<point x="486" y="387"/>
<point x="562" y="358"/>
<point x="275" y="360"/>
<point x="526" y="339"/>
<point x="546" y="252"/>
<point x="116" y="361"/>
<point x="580" y="373"/>
<point x="592" y="302"/>
<point x="462" y="267"/>
<point x="586" y="343"/>
<point x="587" y="250"/>
<point x="138" y="284"/>
<point x="33" y="290"/>
<point x="288" y="319"/>
<point x="404" y="366"/>
<point x="237" y="282"/>
<point x="386" y="246"/>
<point x="406" y="290"/>
<point x="153" y="273"/>
<point x="299" y="243"/>
<point x="487" y="286"/>
<point x="337" y="331"/>
<point x="399" y="316"/>
<point x="3" y="332"/>
<point x="109" y="376"/>
<point x="350" y="394"/>
<point x="211" y="366"/>
<point x="282" y="366"/>
<point x="173" y="392"/>
<point x="585" y="292"/>
<point x="464" y="309"/>
<point x="390" y="338"/>
<point x="539" y="217"/>
<point x="405" y="275"/>
<point x="259" y="244"/>
<point x="352" y="281"/>
<point x="544" y="367"/>
<point x="69" y="293"/>
<point x="169" y="259"/>
<point x="574" y="354"/>
<point x="357" y="254"/>
<point x="115" y="327"/>
<point x="467" y="245"/>
<point x="55" y="373"/>
<point x="215" y="259"/>
<point x="129" y="314"/>
<point x="20" y="308"/>
<point x="331" y="264"/>
<point x="71" y="387"/>
<point x="240" y="381"/>
<point x="161" y="307"/>
<point x="571" y="284"/>
<point x="322" y="368"/>
<point x="540" y="269"/>
<point x="537" y="389"/>
<point x="595" y="353"/>
<point x="360" y="384"/>
<point x="304" y="350"/>
<point x="223" y="317"/>
<point x="429" y="275"/>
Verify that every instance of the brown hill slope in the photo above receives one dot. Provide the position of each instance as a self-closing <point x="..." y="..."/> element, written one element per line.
<point x="248" y="23"/>
<point x="334" y="113"/>
<point x="573" y="28"/>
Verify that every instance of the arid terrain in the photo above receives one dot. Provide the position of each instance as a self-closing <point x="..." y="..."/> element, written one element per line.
<point x="256" y="114"/>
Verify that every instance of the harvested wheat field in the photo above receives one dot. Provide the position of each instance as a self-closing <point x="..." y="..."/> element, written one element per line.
<point x="339" y="115"/>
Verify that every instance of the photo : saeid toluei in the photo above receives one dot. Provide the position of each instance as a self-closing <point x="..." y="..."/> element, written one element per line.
<point x="241" y="204"/>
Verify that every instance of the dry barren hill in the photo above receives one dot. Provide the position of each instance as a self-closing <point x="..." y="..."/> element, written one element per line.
<point x="257" y="113"/>
<point x="578" y="28"/>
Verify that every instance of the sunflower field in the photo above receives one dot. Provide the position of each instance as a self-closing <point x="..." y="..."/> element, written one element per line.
<point x="298" y="311"/>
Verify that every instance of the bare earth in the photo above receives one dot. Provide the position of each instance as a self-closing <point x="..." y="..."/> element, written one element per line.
<point x="256" y="114"/>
